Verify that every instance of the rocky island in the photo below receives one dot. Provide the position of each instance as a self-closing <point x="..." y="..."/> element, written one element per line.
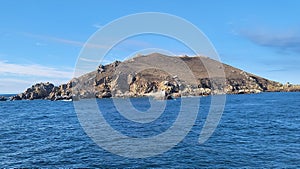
<point x="138" y="77"/>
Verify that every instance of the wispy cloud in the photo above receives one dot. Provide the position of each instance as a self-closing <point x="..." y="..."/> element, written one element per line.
<point x="10" y="85"/>
<point x="15" y="78"/>
<point x="12" y="80"/>
<point x="278" y="70"/>
<point x="65" y="41"/>
<point x="98" y="26"/>
<point x="104" y="61"/>
<point x="33" y="70"/>
<point x="282" y="41"/>
<point x="88" y="60"/>
<point x="124" y="45"/>
<point x="20" y="84"/>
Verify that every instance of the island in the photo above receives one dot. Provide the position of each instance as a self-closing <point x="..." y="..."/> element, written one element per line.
<point x="140" y="77"/>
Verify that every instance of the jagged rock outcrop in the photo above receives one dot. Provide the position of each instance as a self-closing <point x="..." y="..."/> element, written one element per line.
<point x="2" y="98"/>
<point x="37" y="91"/>
<point x="62" y="92"/>
<point x="159" y="76"/>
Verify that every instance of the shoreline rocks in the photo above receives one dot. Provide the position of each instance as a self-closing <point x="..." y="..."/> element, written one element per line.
<point x="37" y="91"/>
<point x="2" y="98"/>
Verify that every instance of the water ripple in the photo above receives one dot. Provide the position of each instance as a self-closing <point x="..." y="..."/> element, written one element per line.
<point x="256" y="131"/>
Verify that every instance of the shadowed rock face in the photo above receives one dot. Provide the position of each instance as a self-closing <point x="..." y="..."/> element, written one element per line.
<point x="159" y="76"/>
<point x="2" y="98"/>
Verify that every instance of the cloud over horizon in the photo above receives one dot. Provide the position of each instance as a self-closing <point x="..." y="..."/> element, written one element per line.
<point x="283" y="41"/>
<point x="65" y="41"/>
<point x="33" y="70"/>
<point x="17" y="77"/>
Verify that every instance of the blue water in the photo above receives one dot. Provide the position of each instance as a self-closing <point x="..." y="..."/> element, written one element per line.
<point x="256" y="130"/>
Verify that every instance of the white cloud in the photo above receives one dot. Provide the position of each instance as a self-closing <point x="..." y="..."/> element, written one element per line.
<point x="15" y="78"/>
<point x="33" y="70"/>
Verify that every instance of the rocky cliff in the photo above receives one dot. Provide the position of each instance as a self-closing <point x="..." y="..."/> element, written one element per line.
<point x="159" y="76"/>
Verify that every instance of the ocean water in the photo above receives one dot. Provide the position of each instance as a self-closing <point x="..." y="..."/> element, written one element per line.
<point x="255" y="131"/>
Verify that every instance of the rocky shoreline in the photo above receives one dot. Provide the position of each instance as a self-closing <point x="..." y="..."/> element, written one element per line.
<point x="57" y="93"/>
<point x="137" y="78"/>
<point x="2" y="98"/>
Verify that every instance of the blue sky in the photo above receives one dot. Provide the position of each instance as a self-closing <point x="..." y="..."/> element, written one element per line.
<point x="41" y="40"/>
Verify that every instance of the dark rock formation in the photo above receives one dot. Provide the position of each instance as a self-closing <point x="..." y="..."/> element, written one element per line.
<point x="158" y="76"/>
<point x="17" y="97"/>
<point x="2" y="98"/>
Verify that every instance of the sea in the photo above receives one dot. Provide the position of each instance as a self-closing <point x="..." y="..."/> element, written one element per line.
<point x="254" y="131"/>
